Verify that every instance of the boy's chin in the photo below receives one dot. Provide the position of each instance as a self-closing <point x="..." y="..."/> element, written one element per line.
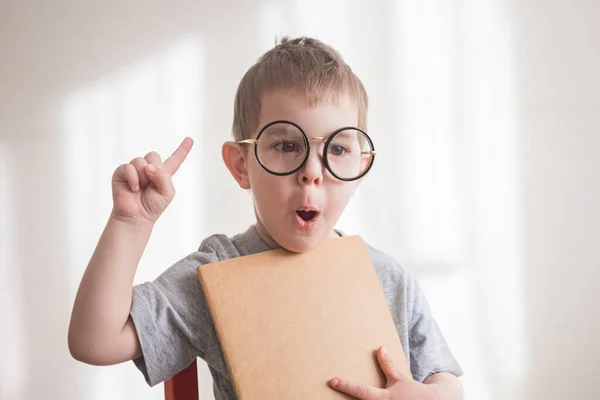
<point x="301" y="244"/>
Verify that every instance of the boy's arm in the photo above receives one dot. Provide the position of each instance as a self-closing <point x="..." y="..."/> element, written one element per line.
<point x="101" y="331"/>
<point x="448" y="386"/>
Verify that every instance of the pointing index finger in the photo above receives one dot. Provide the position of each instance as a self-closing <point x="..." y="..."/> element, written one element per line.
<point x="172" y="164"/>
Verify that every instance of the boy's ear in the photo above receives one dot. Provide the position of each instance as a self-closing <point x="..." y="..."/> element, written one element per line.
<point x="234" y="156"/>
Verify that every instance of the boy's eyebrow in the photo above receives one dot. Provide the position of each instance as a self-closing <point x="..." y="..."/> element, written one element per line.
<point x="283" y="130"/>
<point x="348" y="133"/>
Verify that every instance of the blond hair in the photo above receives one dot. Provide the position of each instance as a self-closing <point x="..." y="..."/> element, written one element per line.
<point x="306" y="66"/>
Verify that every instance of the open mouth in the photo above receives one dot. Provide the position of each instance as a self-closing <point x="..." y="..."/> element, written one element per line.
<point x="307" y="218"/>
<point x="306" y="215"/>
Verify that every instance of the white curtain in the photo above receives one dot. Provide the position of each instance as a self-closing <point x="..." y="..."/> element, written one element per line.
<point x="450" y="115"/>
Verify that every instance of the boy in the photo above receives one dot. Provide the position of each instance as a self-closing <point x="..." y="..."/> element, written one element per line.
<point x="301" y="149"/>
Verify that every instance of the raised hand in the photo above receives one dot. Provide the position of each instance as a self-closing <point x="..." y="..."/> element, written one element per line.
<point x="143" y="188"/>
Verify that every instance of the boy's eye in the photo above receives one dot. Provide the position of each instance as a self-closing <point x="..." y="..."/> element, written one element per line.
<point x="337" y="150"/>
<point x="286" y="147"/>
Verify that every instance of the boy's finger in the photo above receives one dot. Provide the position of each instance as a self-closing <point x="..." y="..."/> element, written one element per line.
<point x="139" y="164"/>
<point x="388" y="367"/>
<point x="173" y="163"/>
<point x="154" y="159"/>
<point x="162" y="179"/>
<point x="126" y="173"/>
<point x="358" y="391"/>
<point x="132" y="177"/>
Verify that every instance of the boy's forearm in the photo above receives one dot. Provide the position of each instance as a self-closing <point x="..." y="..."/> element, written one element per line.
<point x="448" y="386"/>
<point x="103" y="300"/>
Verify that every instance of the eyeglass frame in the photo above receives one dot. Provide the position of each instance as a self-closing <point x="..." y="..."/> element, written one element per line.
<point x="307" y="142"/>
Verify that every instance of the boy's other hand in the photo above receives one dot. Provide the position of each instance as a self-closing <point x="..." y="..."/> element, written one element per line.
<point x="143" y="188"/>
<point x="399" y="386"/>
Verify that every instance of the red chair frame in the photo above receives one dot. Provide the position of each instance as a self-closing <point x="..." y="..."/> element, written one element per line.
<point x="183" y="385"/>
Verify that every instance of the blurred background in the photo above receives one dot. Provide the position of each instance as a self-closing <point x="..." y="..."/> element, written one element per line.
<point x="485" y="115"/>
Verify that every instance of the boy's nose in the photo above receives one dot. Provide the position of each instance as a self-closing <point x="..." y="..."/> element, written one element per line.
<point x="312" y="171"/>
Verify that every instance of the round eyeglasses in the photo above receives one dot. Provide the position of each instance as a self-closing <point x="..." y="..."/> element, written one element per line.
<point x="282" y="148"/>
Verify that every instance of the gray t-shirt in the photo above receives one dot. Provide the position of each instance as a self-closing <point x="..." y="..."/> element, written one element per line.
<point x="174" y="325"/>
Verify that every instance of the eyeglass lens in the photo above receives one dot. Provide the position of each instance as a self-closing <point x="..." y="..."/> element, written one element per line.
<point x="282" y="148"/>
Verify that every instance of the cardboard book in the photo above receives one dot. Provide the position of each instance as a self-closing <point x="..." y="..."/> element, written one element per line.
<point x="289" y="322"/>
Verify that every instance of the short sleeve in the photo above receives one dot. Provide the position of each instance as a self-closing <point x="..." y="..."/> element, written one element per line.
<point x="172" y="320"/>
<point x="429" y="352"/>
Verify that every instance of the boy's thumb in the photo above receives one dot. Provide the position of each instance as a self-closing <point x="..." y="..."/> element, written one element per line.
<point x="161" y="179"/>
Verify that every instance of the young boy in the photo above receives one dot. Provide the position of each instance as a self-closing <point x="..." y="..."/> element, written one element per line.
<point x="301" y="149"/>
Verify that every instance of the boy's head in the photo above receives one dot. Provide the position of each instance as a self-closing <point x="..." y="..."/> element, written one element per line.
<point x="299" y="189"/>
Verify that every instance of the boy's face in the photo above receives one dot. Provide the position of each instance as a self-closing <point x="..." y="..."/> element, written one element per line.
<point x="300" y="210"/>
